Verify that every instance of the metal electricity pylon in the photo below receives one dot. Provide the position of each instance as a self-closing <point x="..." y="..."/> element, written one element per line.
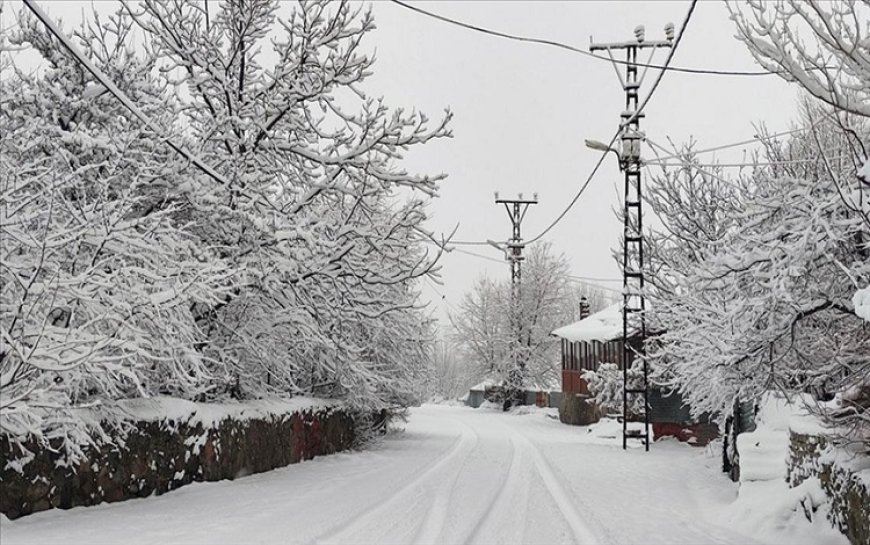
<point x="516" y="209"/>
<point x="633" y="300"/>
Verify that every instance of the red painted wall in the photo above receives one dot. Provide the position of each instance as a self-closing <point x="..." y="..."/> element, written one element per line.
<point x="573" y="382"/>
<point x="694" y="434"/>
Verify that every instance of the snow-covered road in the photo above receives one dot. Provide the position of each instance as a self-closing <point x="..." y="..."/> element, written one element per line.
<point x="455" y="475"/>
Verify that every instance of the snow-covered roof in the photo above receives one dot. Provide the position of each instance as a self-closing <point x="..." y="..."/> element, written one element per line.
<point x="604" y="325"/>
<point x="481" y="387"/>
<point x="553" y="386"/>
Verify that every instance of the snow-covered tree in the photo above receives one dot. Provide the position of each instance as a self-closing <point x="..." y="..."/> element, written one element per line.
<point x="754" y="276"/>
<point x="488" y="338"/>
<point x="312" y="217"/>
<point x="450" y="377"/>
<point x="126" y="271"/>
<point x="97" y="277"/>
<point x="820" y="45"/>
<point x="481" y="328"/>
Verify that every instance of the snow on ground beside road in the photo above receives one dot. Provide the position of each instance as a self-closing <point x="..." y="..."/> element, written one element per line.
<point x="455" y="475"/>
<point x="766" y="507"/>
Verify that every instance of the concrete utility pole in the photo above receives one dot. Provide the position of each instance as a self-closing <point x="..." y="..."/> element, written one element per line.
<point x="516" y="209"/>
<point x="633" y="300"/>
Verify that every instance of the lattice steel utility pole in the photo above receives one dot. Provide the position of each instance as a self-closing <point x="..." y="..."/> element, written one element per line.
<point x="633" y="300"/>
<point x="516" y="209"/>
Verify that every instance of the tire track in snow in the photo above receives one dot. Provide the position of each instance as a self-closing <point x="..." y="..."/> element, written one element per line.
<point x="436" y="516"/>
<point x="344" y="532"/>
<point x="583" y="534"/>
<point x="502" y="499"/>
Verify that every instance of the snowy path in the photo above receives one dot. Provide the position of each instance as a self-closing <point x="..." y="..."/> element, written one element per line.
<point x="456" y="475"/>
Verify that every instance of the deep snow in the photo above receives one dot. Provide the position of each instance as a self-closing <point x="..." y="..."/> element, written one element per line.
<point x="455" y="475"/>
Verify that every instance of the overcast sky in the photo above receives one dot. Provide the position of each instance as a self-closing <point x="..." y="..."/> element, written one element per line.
<point x="523" y="110"/>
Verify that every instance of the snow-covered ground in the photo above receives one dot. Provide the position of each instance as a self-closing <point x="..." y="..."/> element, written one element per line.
<point x="766" y="507"/>
<point x="455" y="475"/>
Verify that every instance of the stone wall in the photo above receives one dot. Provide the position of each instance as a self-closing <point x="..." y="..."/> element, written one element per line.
<point x="849" y="495"/>
<point x="578" y="410"/>
<point x="165" y="454"/>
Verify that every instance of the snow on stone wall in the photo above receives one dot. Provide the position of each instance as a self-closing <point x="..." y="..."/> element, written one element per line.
<point x="171" y="443"/>
<point x="769" y="506"/>
<point x="812" y="457"/>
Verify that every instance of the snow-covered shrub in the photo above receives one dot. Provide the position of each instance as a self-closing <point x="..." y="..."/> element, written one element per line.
<point x="606" y="386"/>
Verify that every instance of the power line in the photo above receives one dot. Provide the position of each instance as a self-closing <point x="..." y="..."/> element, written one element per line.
<point x="467" y="243"/>
<point x="443" y="299"/>
<point x="754" y="140"/>
<point x="585" y="279"/>
<point x="593" y="285"/>
<point x="594" y="279"/>
<point x="481" y="256"/>
<point x="689" y="164"/>
<point x="573" y="49"/>
<point x="735" y="165"/>
<point x="580" y="192"/>
<point x="665" y="68"/>
<point x="461" y="251"/>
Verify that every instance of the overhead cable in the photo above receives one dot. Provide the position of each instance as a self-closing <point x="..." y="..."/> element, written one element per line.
<point x="481" y="256"/>
<point x="758" y="138"/>
<point x="573" y="49"/>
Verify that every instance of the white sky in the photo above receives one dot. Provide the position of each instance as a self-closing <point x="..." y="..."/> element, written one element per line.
<point x="523" y="110"/>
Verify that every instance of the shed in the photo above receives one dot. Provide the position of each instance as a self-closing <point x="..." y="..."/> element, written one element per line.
<point x="477" y="393"/>
<point x="588" y="343"/>
<point x="542" y="395"/>
<point x="598" y="339"/>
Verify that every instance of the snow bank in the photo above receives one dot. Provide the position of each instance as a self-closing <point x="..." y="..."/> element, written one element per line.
<point x="774" y="513"/>
<point x="850" y="458"/>
<point x="604" y="325"/>
<point x="765" y="506"/>
<point x="764" y="451"/>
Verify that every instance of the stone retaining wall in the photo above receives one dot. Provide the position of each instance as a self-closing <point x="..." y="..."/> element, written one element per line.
<point x="162" y="455"/>
<point x="849" y="494"/>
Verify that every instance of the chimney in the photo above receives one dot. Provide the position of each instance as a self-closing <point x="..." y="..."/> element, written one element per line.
<point x="584" y="308"/>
